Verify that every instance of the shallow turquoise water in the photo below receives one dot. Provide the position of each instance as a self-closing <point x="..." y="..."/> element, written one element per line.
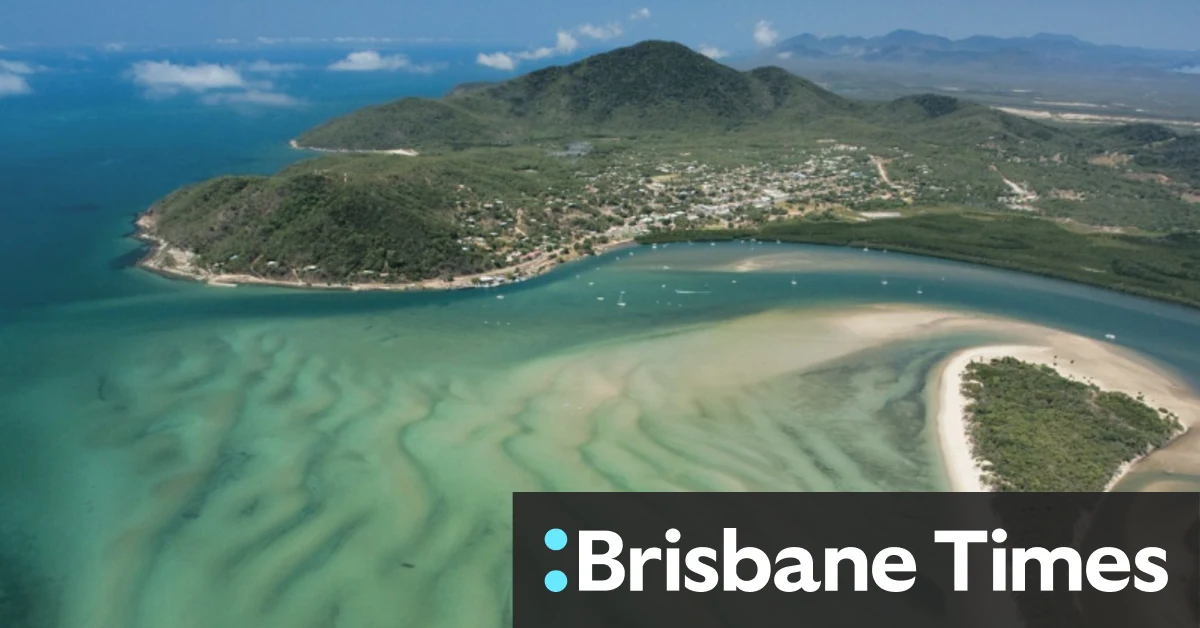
<point x="177" y="455"/>
<point x="258" y="457"/>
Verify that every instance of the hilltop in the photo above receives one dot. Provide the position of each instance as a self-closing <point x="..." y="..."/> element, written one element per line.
<point x="655" y="140"/>
<point x="652" y="86"/>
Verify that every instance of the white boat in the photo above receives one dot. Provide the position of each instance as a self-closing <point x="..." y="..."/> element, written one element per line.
<point x="884" y="282"/>
<point x="500" y="296"/>
<point x="599" y="298"/>
<point x="621" y="299"/>
<point x="865" y="249"/>
<point x="793" y="282"/>
<point x="1110" y="336"/>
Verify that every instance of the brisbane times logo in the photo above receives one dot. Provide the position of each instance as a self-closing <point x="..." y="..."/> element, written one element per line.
<point x="606" y="559"/>
<point x="892" y="570"/>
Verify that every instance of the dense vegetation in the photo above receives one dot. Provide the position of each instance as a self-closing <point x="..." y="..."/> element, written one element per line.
<point x="1179" y="157"/>
<point x="1039" y="431"/>
<point x="349" y="213"/>
<point x="1122" y="224"/>
<point x="1166" y="267"/>
<point x="649" y="87"/>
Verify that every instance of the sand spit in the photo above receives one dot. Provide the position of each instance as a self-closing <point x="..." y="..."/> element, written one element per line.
<point x="1077" y="358"/>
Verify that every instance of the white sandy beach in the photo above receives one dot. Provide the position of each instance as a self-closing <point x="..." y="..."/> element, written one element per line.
<point x="407" y="152"/>
<point x="1083" y="359"/>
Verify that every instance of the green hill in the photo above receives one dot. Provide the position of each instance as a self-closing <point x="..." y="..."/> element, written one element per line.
<point x="665" y="140"/>
<point x="653" y="86"/>
<point x="348" y="213"/>
<point x="1178" y="157"/>
<point x="945" y="119"/>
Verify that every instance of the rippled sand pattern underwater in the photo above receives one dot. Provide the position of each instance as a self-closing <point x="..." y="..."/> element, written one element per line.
<point x="356" y="470"/>
<point x="294" y="480"/>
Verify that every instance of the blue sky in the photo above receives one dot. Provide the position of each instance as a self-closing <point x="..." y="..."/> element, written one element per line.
<point x="530" y="24"/>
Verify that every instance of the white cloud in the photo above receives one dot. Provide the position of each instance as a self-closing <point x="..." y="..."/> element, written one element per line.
<point x="251" y="97"/>
<point x="544" y="52"/>
<point x="764" y="35"/>
<point x="17" y="67"/>
<point x="786" y="54"/>
<point x="13" y="85"/>
<point x="1191" y="69"/>
<point x="263" y="66"/>
<point x="641" y="14"/>
<point x="496" y="60"/>
<point x="565" y="43"/>
<point x="116" y="46"/>
<point x="605" y="32"/>
<point x="372" y="61"/>
<point x="712" y="52"/>
<point x="163" y="78"/>
<point x="217" y="84"/>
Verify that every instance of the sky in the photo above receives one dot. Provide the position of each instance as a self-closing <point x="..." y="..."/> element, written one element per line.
<point x="529" y="25"/>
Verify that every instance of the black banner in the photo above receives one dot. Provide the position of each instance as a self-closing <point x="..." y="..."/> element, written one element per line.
<point x="701" y="560"/>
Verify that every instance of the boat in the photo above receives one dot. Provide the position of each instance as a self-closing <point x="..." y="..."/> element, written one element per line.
<point x="1110" y="336"/>
<point x="692" y="292"/>
<point x="621" y="299"/>
<point x="920" y="291"/>
<point x="884" y="282"/>
<point x="599" y="298"/>
<point x="500" y="296"/>
<point x="793" y="282"/>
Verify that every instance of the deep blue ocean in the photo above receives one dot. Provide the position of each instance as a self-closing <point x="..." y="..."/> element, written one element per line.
<point x="88" y="150"/>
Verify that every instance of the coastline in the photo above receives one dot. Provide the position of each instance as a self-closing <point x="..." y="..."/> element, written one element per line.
<point x="1074" y="357"/>
<point x="167" y="260"/>
<point x="345" y="151"/>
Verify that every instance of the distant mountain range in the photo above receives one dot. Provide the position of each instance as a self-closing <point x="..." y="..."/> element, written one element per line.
<point x="1041" y="52"/>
